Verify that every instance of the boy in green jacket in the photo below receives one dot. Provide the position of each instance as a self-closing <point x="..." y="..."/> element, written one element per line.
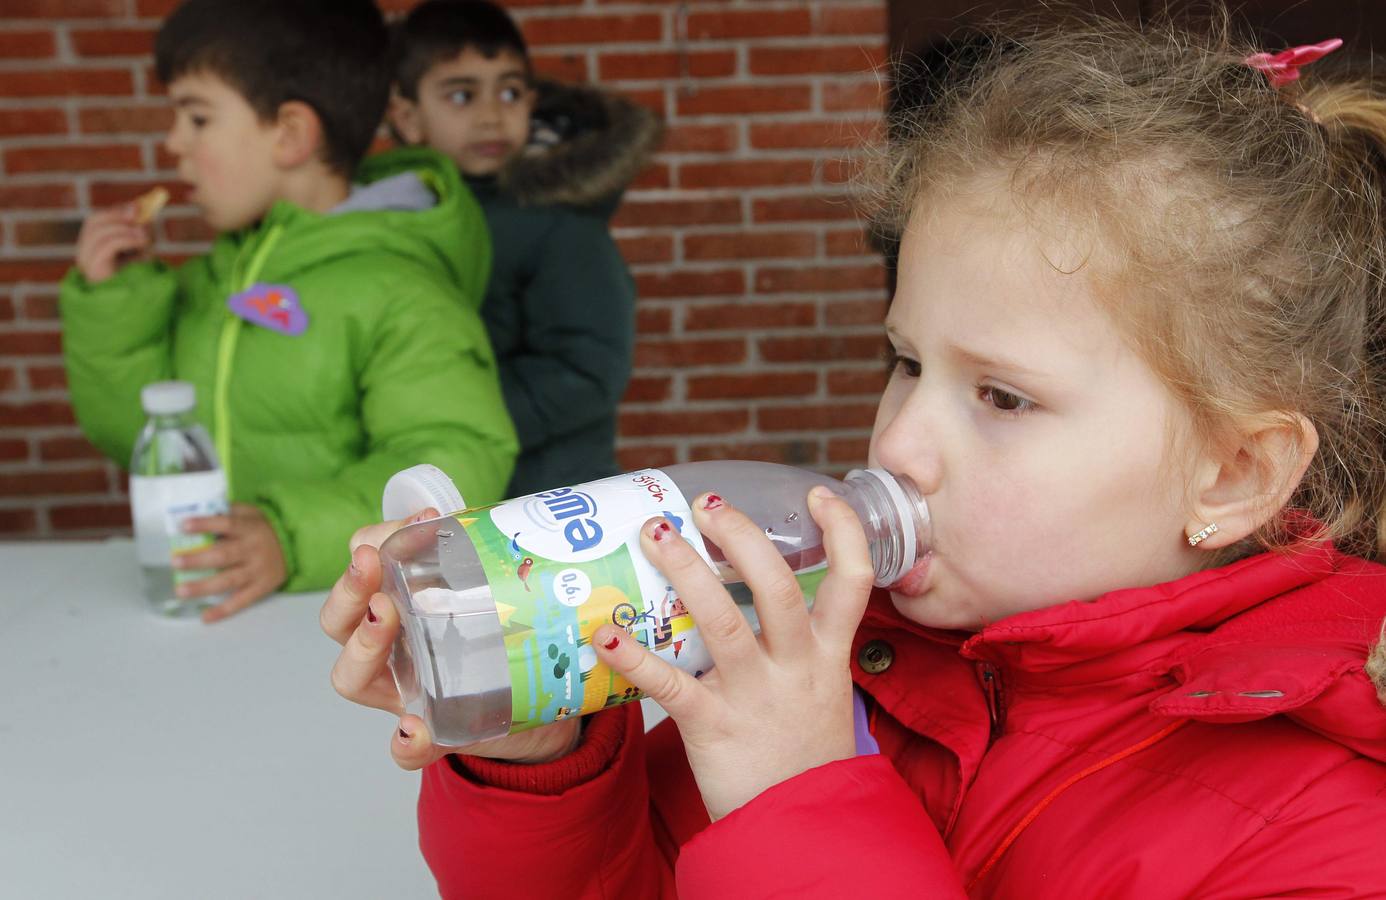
<point x="372" y="358"/>
<point x="548" y="165"/>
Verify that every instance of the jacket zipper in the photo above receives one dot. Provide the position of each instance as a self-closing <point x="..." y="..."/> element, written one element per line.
<point x="990" y="678"/>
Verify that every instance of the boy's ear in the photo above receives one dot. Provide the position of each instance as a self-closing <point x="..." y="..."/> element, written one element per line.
<point x="403" y="117"/>
<point x="300" y="136"/>
<point x="1243" y="484"/>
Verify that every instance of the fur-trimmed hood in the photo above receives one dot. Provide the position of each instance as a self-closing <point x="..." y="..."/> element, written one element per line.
<point x="586" y="145"/>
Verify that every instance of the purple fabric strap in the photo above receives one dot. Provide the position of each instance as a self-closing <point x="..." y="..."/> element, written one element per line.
<point x="866" y="744"/>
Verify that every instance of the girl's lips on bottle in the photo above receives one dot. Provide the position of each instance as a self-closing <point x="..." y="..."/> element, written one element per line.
<point x="914" y="582"/>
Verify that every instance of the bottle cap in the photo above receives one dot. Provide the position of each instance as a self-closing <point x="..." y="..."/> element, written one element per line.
<point x="419" y="487"/>
<point x="167" y="398"/>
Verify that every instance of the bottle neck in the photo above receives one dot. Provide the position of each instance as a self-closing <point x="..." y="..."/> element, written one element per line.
<point x="167" y="421"/>
<point x="895" y="517"/>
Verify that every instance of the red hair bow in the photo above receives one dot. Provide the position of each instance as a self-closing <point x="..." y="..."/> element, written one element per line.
<point x="1283" y="67"/>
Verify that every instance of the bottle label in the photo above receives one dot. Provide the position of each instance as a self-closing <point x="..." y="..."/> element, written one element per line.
<point x="562" y="563"/>
<point x="159" y="505"/>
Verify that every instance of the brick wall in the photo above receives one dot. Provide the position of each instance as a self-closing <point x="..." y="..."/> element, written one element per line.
<point x="759" y="302"/>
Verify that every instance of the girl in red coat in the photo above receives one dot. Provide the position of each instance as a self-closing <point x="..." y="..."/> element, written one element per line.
<point x="1139" y="371"/>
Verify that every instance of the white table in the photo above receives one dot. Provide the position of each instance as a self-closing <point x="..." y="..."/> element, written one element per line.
<point x="147" y="758"/>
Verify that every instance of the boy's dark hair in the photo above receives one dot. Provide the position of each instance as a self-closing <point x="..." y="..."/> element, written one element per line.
<point x="329" y="54"/>
<point x="437" y="30"/>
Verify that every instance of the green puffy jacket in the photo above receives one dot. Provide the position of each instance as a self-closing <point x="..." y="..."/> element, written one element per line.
<point x="394" y="369"/>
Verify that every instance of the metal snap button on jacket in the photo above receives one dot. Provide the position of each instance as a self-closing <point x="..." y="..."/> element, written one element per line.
<point x="875" y="657"/>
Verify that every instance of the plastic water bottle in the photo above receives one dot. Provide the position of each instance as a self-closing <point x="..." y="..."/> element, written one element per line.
<point x="498" y="604"/>
<point x="174" y="475"/>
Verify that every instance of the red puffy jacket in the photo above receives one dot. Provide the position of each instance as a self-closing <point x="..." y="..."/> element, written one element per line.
<point x="1214" y="737"/>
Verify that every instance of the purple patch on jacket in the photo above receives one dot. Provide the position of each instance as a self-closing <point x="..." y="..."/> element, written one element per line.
<point x="272" y="306"/>
<point x="866" y="744"/>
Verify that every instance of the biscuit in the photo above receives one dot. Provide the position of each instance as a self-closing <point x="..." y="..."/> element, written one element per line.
<point x="147" y="205"/>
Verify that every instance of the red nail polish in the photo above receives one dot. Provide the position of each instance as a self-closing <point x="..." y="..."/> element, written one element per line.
<point x="611" y="643"/>
<point x="370" y="615"/>
<point x="661" y="532"/>
<point x="355" y="570"/>
<point x="403" y="736"/>
<point x="712" y="501"/>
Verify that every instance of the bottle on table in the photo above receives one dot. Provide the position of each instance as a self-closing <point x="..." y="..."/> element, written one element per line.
<point x="498" y="604"/>
<point x="174" y="475"/>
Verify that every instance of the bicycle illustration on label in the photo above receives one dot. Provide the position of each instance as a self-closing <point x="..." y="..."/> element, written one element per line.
<point x="657" y="631"/>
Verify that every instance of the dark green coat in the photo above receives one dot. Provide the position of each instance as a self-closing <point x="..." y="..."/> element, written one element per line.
<point x="393" y="370"/>
<point x="560" y="304"/>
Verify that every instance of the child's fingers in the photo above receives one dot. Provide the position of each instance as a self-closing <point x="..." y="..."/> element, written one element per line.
<point x="726" y="633"/>
<point x="222" y="582"/>
<point x="209" y="524"/>
<point x="779" y="601"/>
<point x="356" y="674"/>
<point x="678" y="692"/>
<point x="375" y="535"/>
<point x="218" y="556"/>
<point x="242" y="597"/>
<point x="841" y="599"/>
<point x="345" y="606"/>
<point x="412" y="745"/>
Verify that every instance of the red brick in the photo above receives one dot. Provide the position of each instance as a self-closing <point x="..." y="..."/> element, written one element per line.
<point x="737" y="100"/>
<point x="72" y="158"/>
<point x="32" y="121"/>
<point x="680" y="422"/>
<point x="18" y="521"/>
<point x="37" y="196"/>
<point x="569" y="67"/>
<point x="842" y="171"/>
<point x="657" y="320"/>
<point x="749" y="245"/>
<point x="129" y="119"/>
<point x="113" y="41"/>
<point x="9" y="378"/>
<point x="186" y="229"/>
<point x="820" y="279"/>
<point x="648" y="390"/>
<point x="30" y="343"/>
<point x="36" y="413"/>
<point x="64" y="9"/>
<point x="67" y="82"/>
<point x="751" y="23"/>
<point x="810" y="135"/>
<point x="855" y="312"/>
<point x="660" y="354"/>
<point x="852" y="19"/>
<point x="14" y="450"/>
<point x="164" y="161"/>
<point x="801" y="417"/>
<point x="682" y="138"/>
<point x="593" y="29"/>
<point x="12" y="269"/>
<point x="644" y="456"/>
<point x="654" y="213"/>
<point x="27" y="44"/>
<point x="155" y="9"/>
<point x="33" y="484"/>
<point x="65" y="449"/>
<point x="652" y="99"/>
<point x="47" y="378"/>
<point x="759" y="384"/>
<point x="749" y="316"/>
<point x="802" y="208"/>
<point x="7" y="309"/>
<point x="110" y="193"/>
<point x="690" y="283"/>
<point x="822" y="348"/>
<point x="841" y="96"/>
<point x="653" y="177"/>
<point x="746" y="173"/>
<point x="853" y="382"/>
<point x="664" y="65"/>
<point x="47" y="232"/>
<point x="646" y="248"/>
<point x="41" y="307"/>
<point x="90" y="516"/>
<point x="791" y="453"/>
<point x="811" y="60"/>
<point x="849" y="242"/>
<point x="849" y="450"/>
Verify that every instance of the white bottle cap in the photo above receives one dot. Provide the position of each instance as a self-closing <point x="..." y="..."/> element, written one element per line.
<point x="167" y="398"/>
<point x="905" y="510"/>
<point x="417" y="488"/>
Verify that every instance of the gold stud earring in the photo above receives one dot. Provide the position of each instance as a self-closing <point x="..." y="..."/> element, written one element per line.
<point x="1209" y="529"/>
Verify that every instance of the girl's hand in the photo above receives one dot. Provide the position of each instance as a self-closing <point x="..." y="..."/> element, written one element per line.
<point x="364" y="621"/>
<point x="247" y="556"/>
<point x="108" y="240"/>
<point x="774" y="706"/>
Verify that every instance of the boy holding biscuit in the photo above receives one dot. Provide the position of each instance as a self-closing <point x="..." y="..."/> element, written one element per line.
<point x="332" y="331"/>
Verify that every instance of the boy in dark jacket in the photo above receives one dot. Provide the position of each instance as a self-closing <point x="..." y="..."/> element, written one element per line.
<point x="380" y="361"/>
<point x="548" y="164"/>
